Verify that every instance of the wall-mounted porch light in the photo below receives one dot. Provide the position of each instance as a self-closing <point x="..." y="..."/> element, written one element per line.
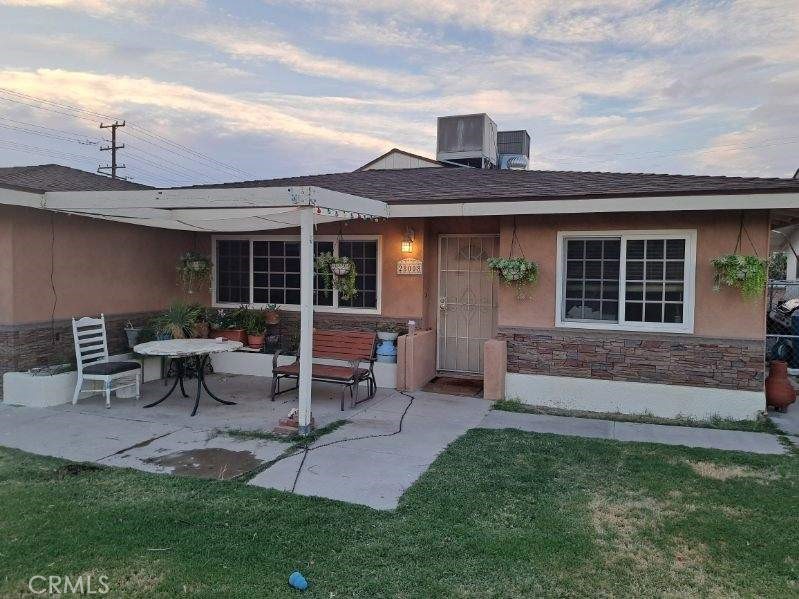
<point x="407" y="241"/>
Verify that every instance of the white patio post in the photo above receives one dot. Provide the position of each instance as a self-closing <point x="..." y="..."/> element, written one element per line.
<point x="306" y="318"/>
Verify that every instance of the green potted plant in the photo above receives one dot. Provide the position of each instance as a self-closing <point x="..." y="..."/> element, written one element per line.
<point x="255" y="327"/>
<point x="338" y="273"/>
<point x="271" y="314"/>
<point x="748" y="274"/>
<point x="193" y="269"/>
<point x="228" y="323"/>
<point x="178" y="321"/>
<point x="516" y="272"/>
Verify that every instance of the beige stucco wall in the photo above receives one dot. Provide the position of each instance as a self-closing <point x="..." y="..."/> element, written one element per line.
<point x="99" y="266"/>
<point x="6" y="267"/>
<point x="118" y="268"/>
<point x="722" y="314"/>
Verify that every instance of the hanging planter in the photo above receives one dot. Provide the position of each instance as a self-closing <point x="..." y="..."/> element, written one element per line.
<point x="515" y="272"/>
<point x="193" y="269"/>
<point x="748" y="274"/>
<point x="341" y="269"/>
<point x="338" y="273"/>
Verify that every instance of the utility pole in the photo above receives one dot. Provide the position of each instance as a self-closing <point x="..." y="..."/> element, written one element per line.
<point x="113" y="148"/>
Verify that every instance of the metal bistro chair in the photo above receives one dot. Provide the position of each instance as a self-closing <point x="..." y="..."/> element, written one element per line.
<point x="91" y="353"/>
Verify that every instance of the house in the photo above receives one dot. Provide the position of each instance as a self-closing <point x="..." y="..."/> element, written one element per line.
<point x="623" y="317"/>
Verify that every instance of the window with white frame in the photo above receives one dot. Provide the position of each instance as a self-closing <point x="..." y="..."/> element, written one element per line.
<point x="266" y="270"/>
<point x="636" y="281"/>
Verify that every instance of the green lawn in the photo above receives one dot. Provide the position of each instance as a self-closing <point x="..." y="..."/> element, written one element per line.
<point x="500" y="513"/>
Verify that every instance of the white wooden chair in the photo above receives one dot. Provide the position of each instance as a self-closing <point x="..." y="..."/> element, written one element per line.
<point x="91" y="353"/>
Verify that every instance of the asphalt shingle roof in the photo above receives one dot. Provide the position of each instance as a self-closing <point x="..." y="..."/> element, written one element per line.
<point x="470" y="185"/>
<point x="54" y="177"/>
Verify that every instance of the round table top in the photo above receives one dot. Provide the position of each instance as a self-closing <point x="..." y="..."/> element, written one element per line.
<point x="186" y="347"/>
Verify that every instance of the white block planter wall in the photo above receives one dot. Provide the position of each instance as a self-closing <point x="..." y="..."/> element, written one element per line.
<point x="24" y="389"/>
<point x="665" y="401"/>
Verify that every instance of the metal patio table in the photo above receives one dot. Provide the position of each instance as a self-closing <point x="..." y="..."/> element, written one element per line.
<point x="181" y="350"/>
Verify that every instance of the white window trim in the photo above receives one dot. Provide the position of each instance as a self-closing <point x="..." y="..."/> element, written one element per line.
<point x="689" y="278"/>
<point x="335" y="308"/>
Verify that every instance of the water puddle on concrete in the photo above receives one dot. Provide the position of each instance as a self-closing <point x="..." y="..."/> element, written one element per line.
<point x="212" y="462"/>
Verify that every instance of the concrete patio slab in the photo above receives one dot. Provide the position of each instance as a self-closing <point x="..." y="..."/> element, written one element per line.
<point x="253" y="410"/>
<point x="376" y="471"/>
<point x="165" y="454"/>
<point x="81" y="438"/>
<point x="630" y="431"/>
<point x="89" y="431"/>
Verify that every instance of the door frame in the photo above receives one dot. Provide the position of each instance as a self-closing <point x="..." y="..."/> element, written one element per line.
<point x="439" y="316"/>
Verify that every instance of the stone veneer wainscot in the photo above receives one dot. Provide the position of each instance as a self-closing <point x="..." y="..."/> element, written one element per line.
<point x="640" y="357"/>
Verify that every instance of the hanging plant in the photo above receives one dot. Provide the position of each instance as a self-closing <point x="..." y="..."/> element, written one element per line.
<point x="338" y="273"/>
<point x="193" y="269"/>
<point x="749" y="274"/>
<point x="515" y="272"/>
<point x="518" y="272"/>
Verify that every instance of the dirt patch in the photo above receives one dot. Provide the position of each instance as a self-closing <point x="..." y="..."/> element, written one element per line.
<point x="720" y="472"/>
<point x="212" y="462"/>
<point x="625" y="530"/>
<point x="622" y="518"/>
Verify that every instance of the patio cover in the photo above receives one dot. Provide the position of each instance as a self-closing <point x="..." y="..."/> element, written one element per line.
<point x="224" y="210"/>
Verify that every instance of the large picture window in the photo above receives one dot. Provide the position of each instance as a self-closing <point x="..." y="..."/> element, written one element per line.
<point x="634" y="281"/>
<point x="266" y="270"/>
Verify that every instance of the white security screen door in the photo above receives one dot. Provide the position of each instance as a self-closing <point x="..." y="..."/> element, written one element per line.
<point x="467" y="315"/>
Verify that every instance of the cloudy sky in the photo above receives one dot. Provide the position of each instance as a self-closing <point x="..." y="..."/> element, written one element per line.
<point x="234" y="90"/>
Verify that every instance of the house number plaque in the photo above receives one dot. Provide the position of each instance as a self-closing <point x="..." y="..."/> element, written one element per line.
<point x="409" y="266"/>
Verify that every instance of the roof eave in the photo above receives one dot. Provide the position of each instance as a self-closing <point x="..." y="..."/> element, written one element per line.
<point x="662" y="203"/>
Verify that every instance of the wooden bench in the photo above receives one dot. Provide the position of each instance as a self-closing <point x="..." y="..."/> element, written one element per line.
<point x="355" y="348"/>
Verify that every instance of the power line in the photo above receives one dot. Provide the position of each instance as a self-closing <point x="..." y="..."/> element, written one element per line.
<point x="113" y="149"/>
<point x="20" y="147"/>
<point x="170" y="144"/>
<point x="52" y="131"/>
<point x="45" y="134"/>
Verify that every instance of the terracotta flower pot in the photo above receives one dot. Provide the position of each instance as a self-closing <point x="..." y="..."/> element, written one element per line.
<point x="230" y="334"/>
<point x="272" y="317"/>
<point x="779" y="391"/>
<point x="255" y="341"/>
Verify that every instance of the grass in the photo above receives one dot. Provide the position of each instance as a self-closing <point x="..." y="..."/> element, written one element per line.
<point x="763" y="424"/>
<point x="498" y="514"/>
